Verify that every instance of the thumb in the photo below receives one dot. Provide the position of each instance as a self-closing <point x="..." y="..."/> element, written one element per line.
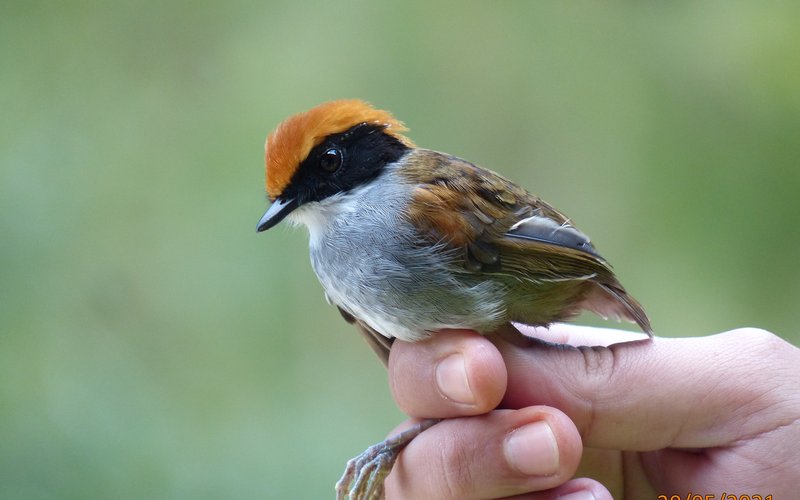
<point x="649" y="395"/>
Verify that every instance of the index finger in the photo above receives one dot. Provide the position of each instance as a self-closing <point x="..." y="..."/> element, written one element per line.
<point x="691" y="392"/>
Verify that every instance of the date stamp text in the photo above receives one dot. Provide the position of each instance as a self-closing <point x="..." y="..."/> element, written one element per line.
<point x="723" y="496"/>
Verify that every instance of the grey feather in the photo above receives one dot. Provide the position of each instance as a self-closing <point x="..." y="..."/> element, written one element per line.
<point x="546" y="230"/>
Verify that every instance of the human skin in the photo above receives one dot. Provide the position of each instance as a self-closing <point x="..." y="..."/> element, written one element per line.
<point x="707" y="415"/>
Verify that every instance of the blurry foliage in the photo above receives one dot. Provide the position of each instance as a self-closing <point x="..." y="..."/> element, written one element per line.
<point x="153" y="346"/>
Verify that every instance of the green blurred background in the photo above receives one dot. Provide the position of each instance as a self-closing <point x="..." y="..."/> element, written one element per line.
<point x="153" y="345"/>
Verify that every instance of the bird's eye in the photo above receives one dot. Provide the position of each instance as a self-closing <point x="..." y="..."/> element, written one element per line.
<point x="331" y="160"/>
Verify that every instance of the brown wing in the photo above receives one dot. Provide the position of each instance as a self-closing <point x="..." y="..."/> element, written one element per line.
<point x="499" y="228"/>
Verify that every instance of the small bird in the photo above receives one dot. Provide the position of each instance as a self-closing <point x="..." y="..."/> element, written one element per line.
<point x="409" y="241"/>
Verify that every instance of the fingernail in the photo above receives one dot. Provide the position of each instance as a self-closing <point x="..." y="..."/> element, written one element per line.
<point x="451" y="377"/>
<point x="578" y="495"/>
<point x="532" y="449"/>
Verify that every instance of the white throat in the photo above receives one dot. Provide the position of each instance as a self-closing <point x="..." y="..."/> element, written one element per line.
<point x="317" y="216"/>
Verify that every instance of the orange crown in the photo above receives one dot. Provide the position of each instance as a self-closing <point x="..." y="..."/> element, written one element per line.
<point x="291" y="142"/>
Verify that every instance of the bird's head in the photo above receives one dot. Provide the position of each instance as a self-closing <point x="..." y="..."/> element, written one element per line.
<point x="325" y="151"/>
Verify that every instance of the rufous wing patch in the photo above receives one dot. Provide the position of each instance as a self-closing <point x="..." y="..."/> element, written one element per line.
<point x="460" y="204"/>
<point x="495" y="222"/>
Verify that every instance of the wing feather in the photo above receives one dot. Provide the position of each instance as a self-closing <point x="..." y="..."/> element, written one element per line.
<point x="498" y="228"/>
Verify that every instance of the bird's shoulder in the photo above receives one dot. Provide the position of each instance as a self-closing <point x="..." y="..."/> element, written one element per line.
<point x="494" y="222"/>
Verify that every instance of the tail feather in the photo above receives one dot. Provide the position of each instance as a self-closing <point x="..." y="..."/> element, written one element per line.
<point x="612" y="301"/>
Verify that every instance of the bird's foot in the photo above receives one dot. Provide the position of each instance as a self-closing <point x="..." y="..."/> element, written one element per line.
<point x="364" y="476"/>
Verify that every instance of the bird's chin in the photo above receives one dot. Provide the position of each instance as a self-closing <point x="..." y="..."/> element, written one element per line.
<point x="313" y="217"/>
<point x="317" y="216"/>
<point x="307" y="215"/>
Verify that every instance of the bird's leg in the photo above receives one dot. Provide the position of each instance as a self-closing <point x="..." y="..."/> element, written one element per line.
<point x="363" y="478"/>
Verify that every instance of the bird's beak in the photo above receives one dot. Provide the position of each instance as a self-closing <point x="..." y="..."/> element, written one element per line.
<point x="279" y="209"/>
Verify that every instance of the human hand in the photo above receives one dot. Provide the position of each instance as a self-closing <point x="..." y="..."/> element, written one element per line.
<point x="709" y="415"/>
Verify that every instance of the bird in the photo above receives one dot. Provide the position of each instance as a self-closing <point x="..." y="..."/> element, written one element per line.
<point x="408" y="241"/>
